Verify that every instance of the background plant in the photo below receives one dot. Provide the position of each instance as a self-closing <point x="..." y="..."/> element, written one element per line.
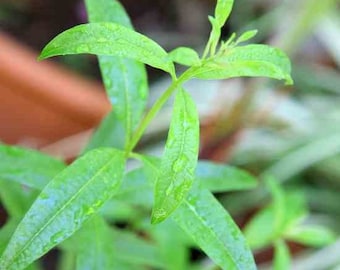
<point x="213" y="65"/>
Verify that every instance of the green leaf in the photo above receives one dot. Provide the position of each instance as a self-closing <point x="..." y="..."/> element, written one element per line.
<point x="230" y="40"/>
<point x="108" y="39"/>
<point x="111" y="132"/>
<point x="27" y="167"/>
<point x="260" y="230"/>
<point x="95" y="250"/>
<point x="311" y="235"/>
<point x="107" y="11"/>
<point x="222" y="11"/>
<point x="270" y="224"/>
<point x="172" y="244"/>
<point x="112" y="250"/>
<point x="124" y="79"/>
<point x="6" y="231"/>
<point x="135" y="250"/>
<point x="203" y="218"/>
<point x="214" y="37"/>
<point x="136" y="189"/>
<point x="212" y="176"/>
<point x="15" y="198"/>
<point x="219" y="178"/>
<point x="65" y="203"/>
<point x="116" y="210"/>
<point x="295" y="202"/>
<point x="179" y="159"/>
<point x="279" y="204"/>
<point x="281" y="255"/>
<point x="185" y="56"/>
<point x="246" y="36"/>
<point x="253" y="60"/>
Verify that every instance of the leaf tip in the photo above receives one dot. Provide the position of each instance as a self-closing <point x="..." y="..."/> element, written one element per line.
<point x="289" y="80"/>
<point x="158" y="215"/>
<point x="44" y="54"/>
<point x="41" y="57"/>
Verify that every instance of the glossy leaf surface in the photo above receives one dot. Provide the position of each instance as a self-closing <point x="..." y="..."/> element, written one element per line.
<point x="108" y="39"/>
<point x="209" y="175"/>
<point x="124" y="79"/>
<point x="218" y="178"/>
<point x="74" y="194"/>
<point x="247" y="61"/>
<point x="27" y="167"/>
<point x="203" y="218"/>
<point x="179" y="160"/>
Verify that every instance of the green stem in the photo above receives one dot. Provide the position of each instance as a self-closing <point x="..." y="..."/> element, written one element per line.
<point x="156" y="107"/>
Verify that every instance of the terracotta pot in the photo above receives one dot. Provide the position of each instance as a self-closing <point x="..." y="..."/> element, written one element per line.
<point x="42" y="102"/>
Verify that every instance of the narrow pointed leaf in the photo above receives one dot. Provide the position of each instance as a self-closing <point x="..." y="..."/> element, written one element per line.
<point x="124" y="79"/>
<point x="311" y="235"/>
<point x="179" y="159"/>
<point x="107" y="11"/>
<point x="281" y="255"/>
<point x="223" y="10"/>
<point x="246" y="36"/>
<point x="27" y="167"/>
<point x="260" y="230"/>
<point x="185" y="56"/>
<point x="263" y="228"/>
<point x="108" y="39"/>
<point x="295" y="201"/>
<point x="214" y="37"/>
<point x="248" y="61"/>
<point x="203" y="218"/>
<point x="212" y="176"/>
<point x="95" y="234"/>
<point x="279" y="204"/>
<point x="218" y="178"/>
<point x="65" y="203"/>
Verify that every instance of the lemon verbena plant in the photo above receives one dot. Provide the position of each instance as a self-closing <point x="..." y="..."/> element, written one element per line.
<point x="73" y="207"/>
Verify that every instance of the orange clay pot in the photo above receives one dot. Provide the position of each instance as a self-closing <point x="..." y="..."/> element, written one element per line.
<point x="40" y="102"/>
